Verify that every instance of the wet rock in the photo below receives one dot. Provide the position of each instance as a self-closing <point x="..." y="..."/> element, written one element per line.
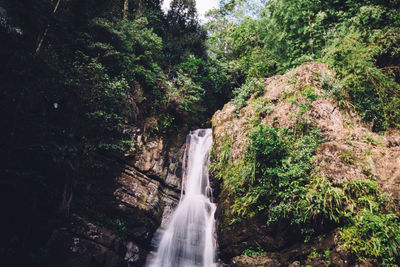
<point x="295" y="264"/>
<point x="83" y="244"/>
<point x="317" y="261"/>
<point x="367" y="264"/>
<point x="143" y="189"/>
<point x="393" y="139"/>
<point x="340" y="257"/>
<point x="256" y="261"/>
<point x="132" y="254"/>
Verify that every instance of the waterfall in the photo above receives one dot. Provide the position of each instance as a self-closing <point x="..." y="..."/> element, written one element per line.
<point x="189" y="238"/>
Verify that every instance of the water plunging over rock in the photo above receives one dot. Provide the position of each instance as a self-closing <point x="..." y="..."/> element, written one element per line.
<point x="189" y="239"/>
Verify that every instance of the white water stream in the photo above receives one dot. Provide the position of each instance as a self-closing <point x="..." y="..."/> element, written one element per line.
<point x="189" y="238"/>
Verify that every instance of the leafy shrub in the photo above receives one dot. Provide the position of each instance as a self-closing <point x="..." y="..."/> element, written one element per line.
<point x="241" y="94"/>
<point x="374" y="235"/>
<point x="322" y="201"/>
<point x="186" y="93"/>
<point x="272" y="175"/>
<point x="372" y="90"/>
<point x="165" y="123"/>
<point x="262" y="107"/>
<point x="358" y="188"/>
<point x="266" y="149"/>
<point x="330" y="85"/>
<point x="259" y="251"/>
<point x="309" y="93"/>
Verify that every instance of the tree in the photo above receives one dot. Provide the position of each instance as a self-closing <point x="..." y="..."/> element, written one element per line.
<point x="184" y="35"/>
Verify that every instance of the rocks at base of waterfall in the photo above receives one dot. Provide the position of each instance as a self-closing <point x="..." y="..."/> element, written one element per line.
<point x="132" y="253"/>
<point x="83" y="244"/>
<point x="256" y="261"/>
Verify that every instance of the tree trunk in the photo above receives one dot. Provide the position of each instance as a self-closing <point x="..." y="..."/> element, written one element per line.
<point x="139" y="9"/>
<point x="125" y="10"/>
<point x="43" y="36"/>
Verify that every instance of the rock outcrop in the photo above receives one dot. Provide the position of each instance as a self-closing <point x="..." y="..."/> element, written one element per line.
<point x="144" y="188"/>
<point x="350" y="151"/>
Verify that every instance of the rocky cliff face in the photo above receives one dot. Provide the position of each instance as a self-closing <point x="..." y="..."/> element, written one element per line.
<point x="143" y="189"/>
<point x="350" y="151"/>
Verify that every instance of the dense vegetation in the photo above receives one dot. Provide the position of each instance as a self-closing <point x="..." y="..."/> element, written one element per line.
<point x="275" y="179"/>
<point x="74" y="74"/>
<point x="358" y="39"/>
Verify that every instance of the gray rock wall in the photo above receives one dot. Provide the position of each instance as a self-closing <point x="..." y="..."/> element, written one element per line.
<point x="145" y="189"/>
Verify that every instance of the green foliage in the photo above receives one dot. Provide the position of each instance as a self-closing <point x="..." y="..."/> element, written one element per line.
<point x="360" y="188"/>
<point x="271" y="177"/>
<point x="262" y="107"/>
<point x="184" y="35"/>
<point x="187" y="93"/>
<point x="259" y="251"/>
<point x="372" y="90"/>
<point x="165" y="124"/>
<point x="322" y="201"/>
<point x="128" y="49"/>
<point x="372" y="141"/>
<point x="348" y="156"/>
<point x="330" y="85"/>
<point x="223" y="154"/>
<point x="275" y="180"/>
<point x="357" y="39"/>
<point x="265" y="149"/>
<point x="241" y="94"/>
<point x="66" y="104"/>
<point x="309" y="93"/>
<point x="374" y="235"/>
<point x="372" y="230"/>
<point x="103" y="103"/>
<point x="327" y="255"/>
<point x="199" y="88"/>
<point x="313" y="255"/>
<point x="117" y="225"/>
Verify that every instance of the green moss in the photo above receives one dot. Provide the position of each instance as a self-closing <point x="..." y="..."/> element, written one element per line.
<point x="262" y="107"/>
<point x="372" y="141"/>
<point x="243" y="93"/>
<point x="314" y="254"/>
<point x="309" y="93"/>
<point x="348" y="157"/>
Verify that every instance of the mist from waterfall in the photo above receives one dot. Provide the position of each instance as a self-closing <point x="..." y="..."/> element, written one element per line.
<point x="189" y="238"/>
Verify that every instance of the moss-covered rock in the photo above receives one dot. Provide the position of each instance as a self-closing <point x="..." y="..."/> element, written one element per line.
<point x="323" y="180"/>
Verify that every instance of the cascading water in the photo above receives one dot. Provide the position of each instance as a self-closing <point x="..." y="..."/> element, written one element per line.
<point x="189" y="238"/>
